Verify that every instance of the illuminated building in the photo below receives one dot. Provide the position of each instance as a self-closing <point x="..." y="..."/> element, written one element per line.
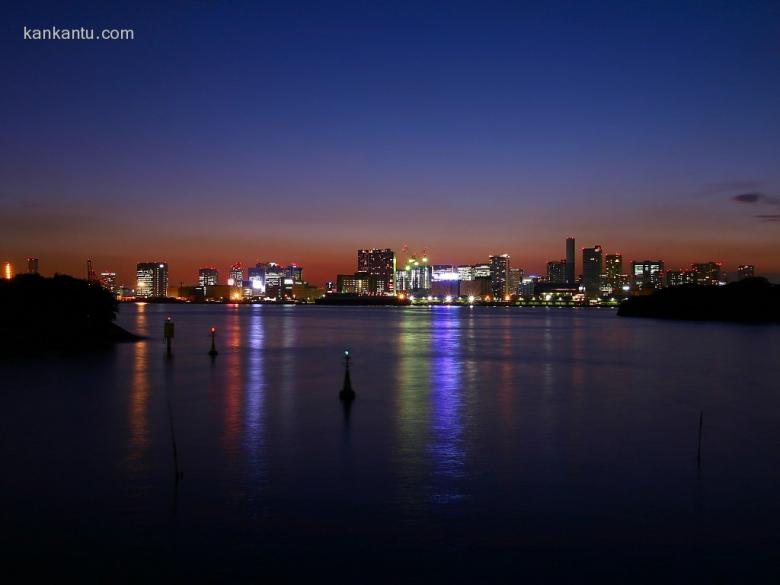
<point x="592" y="267"/>
<point x="514" y="279"/>
<point x="444" y="272"/>
<point x="208" y="276"/>
<point x="380" y="265"/>
<point x="152" y="280"/>
<point x="355" y="284"/>
<point x="108" y="281"/>
<point x="570" y="260"/>
<point x="647" y="274"/>
<point x="294" y="272"/>
<point x="499" y="276"/>
<point x="466" y="272"/>
<point x="481" y="271"/>
<point x="556" y="271"/>
<point x="236" y="275"/>
<point x="32" y="266"/>
<point x="8" y="271"/>
<point x="420" y="278"/>
<point x="745" y="271"/>
<point x="528" y="286"/>
<point x="613" y="270"/>
<point x="403" y="280"/>
<point x="257" y="279"/>
<point x="678" y="277"/>
<point x="274" y="280"/>
<point x="707" y="272"/>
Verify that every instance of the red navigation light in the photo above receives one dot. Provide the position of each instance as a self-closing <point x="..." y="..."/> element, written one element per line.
<point x="213" y="330"/>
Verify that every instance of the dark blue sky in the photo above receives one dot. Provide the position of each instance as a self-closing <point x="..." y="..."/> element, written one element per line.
<point x="295" y="131"/>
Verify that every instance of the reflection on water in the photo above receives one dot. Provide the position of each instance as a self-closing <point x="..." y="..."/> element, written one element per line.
<point x="254" y="413"/>
<point x="486" y="444"/>
<point x="446" y="439"/>
<point x="139" y="397"/>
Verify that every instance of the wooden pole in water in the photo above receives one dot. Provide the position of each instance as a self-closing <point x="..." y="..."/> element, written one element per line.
<point x="701" y="423"/>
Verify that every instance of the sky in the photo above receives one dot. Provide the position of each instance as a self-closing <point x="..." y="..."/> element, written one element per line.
<point x="302" y="131"/>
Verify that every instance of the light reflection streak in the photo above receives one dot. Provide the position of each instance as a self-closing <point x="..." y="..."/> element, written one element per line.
<point x="254" y="413"/>
<point x="139" y="398"/>
<point x="446" y="444"/>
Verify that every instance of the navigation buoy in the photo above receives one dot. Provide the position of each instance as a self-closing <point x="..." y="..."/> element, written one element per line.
<point x="347" y="394"/>
<point x="213" y="351"/>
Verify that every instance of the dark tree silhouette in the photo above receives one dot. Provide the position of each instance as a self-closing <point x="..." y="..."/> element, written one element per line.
<point x="749" y="300"/>
<point x="57" y="313"/>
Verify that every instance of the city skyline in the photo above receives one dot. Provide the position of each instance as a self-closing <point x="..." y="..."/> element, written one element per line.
<point x="468" y="130"/>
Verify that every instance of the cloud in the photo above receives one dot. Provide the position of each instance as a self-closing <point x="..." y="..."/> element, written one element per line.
<point x="773" y="217"/>
<point x="727" y="187"/>
<point x="748" y="197"/>
<point x="756" y="198"/>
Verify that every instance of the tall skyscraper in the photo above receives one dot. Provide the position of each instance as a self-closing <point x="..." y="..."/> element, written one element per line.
<point x="295" y="272"/>
<point x="499" y="276"/>
<point x="32" y="266"/>
<point x="257" y="278"/>
<point x="613" y="269"/>
<point x="8" y="270"/>
<point x="236" y="275"/>
<point x="379" y="264"/>
<point x="208" y="276"/>
<point x="570" y="266"/>
<point x="556" y="271"/>
<point x="91" y="276"/>
<point x="514" y="280"/>
<point x="592" y="267"/>
<point x="746" y="271"/>
<point x="152" y="280"/>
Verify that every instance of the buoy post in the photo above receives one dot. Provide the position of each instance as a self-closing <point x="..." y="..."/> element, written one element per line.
<point x="213" y="351"/>
<point x="168" y="334"/>
<point x="347" y="393"/>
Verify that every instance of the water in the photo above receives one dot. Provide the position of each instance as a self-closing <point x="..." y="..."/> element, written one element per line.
<point x="485" y="445"/>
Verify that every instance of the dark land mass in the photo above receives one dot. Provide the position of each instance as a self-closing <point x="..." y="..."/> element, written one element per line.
<point x="348" y="299"/>
<point x="752" y="300"/>
<point x="59" y="314"/>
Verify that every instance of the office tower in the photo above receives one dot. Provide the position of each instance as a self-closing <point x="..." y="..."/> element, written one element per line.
<point x="647" y="274"/>
<point x="256" y="277"/>
<point x="8" y="271"/>
<point x="745" y="271"/>
<point x="108" y="281"/>
<point x="208" y="276"/>
<point x="274" y="274"/>
<point x="294" y="272"/>
<point x="570" y="266"/>
<point x="465" y="272"/>
<point x="556" y="271"/>
<point x="91" y="277"/>
<point x="32" y="266"/>
<point x="592" y="267"/>
<point x="499" y="276"/>
<point x="379" y="264"/>
<point x="707" y="272"/>
<point x="613" y="269"/>
<point x="481" y="271"/>
<point x="236" y="275"/>
<point x="514" y="280"/>
<point x="152" y="280"/>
